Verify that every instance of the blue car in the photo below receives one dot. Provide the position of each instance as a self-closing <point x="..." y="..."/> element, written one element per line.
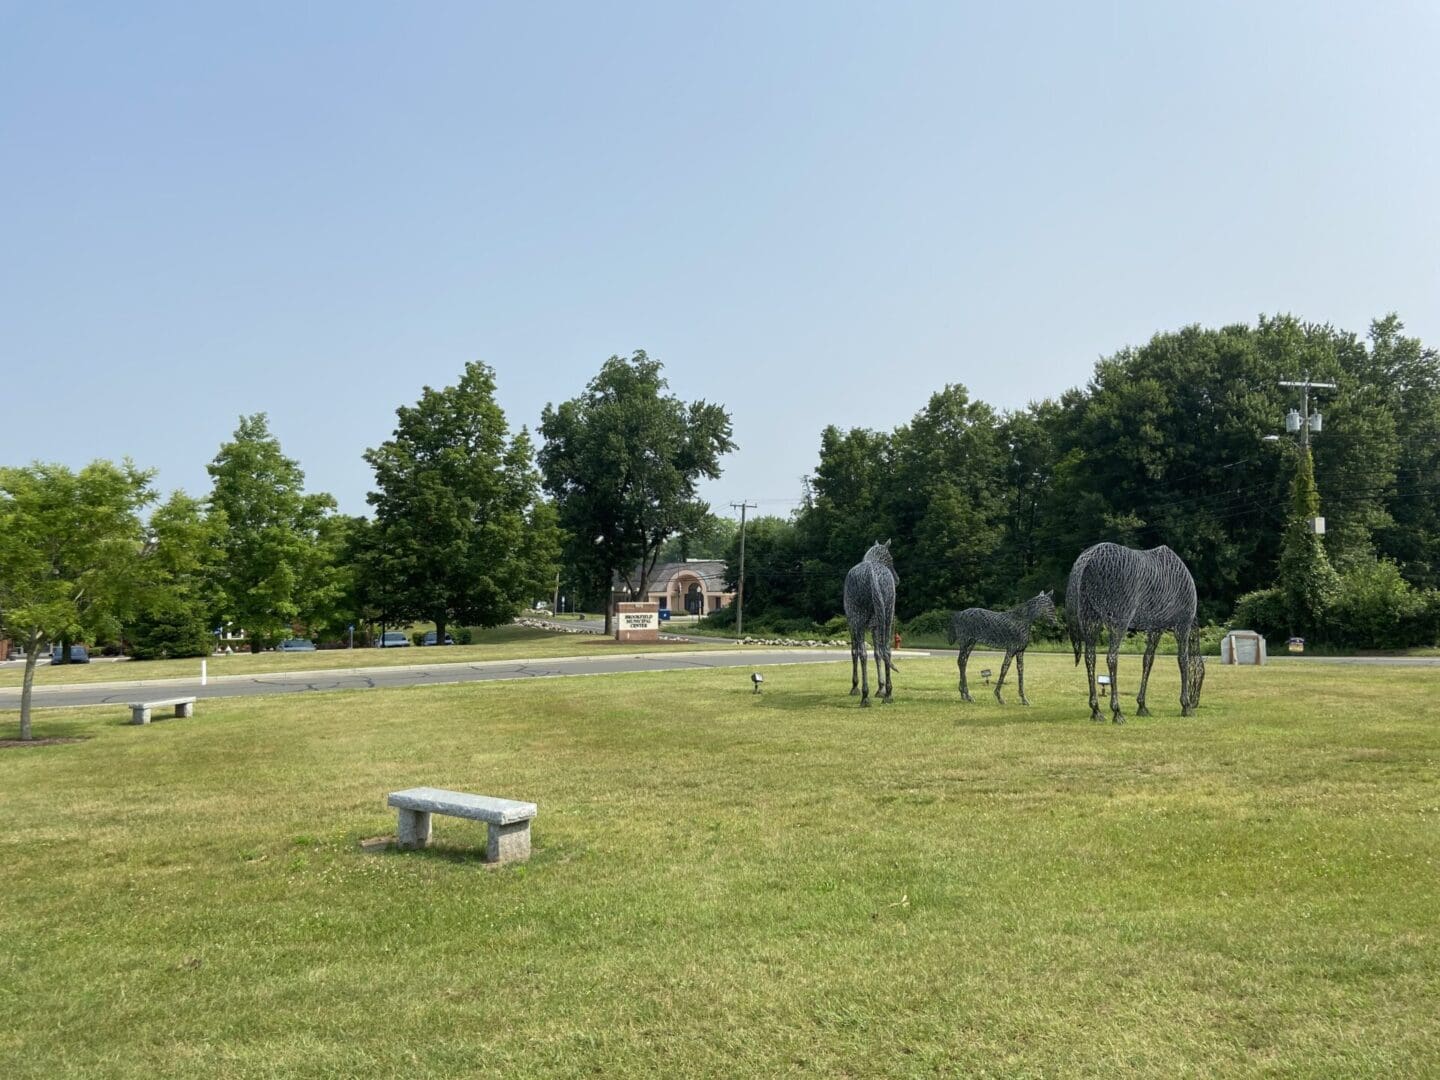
<point x="79" y="654"/>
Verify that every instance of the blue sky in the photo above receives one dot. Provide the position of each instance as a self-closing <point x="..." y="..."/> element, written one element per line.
<point x="814" y="213"/>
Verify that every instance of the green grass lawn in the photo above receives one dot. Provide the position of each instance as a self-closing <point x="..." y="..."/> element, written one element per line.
<point x="498" y="643"/>
<point x="729" y="885"/>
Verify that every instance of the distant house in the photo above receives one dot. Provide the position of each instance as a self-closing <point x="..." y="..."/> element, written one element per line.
<point x="693" y="587"/>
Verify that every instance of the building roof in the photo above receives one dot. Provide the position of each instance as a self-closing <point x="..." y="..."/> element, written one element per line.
<point x="711" y="573"/>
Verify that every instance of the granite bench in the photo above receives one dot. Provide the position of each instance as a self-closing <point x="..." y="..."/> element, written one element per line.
<point x="508" y="839"/>
<point x="140" y="710"/>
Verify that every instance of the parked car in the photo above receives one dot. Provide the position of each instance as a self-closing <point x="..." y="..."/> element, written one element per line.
<point x="296" y="644"/>
<point x="429" y="639"/>
<point x="79" y="654"/>
<point x="16" y="653"/>
<point x="393" y="639"/>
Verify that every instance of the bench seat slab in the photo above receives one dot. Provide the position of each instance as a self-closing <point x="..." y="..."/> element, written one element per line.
<point x="459" y="804"/>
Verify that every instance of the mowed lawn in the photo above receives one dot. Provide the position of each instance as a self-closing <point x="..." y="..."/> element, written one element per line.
<point x="496" y="643"/>
<point x="725" y="884"/>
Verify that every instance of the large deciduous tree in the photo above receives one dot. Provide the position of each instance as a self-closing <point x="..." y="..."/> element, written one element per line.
<point x="622" y="462"/>
<point x="70" y="545"/>
<point x="274" y="559"/>
<point x="460" y="536"/>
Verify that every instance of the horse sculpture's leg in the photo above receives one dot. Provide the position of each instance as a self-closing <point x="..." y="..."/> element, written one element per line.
<point x="1152" y="641"/>
<point x="1020" y="675"/>
<point x="1090" y="672"/>
<point x="856" y="651"/>
<point x="882" y="654"/>
<point x="1117" y="637"/>
<point x="1004" y="667"/>
<point x="963" y="660"/>
<point x="864" y="674"/>
<point x="1182" y="639"/>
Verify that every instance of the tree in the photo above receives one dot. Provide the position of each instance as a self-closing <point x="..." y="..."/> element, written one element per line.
<point x="455" y="509"/>
<point x="69" y="554"/>
<point x="179" y="596"/>
<point x="709" y="537"/>
<point x="622" y="462"/>
<point x="1307" y="580"/>
<point x="272" y="537"/>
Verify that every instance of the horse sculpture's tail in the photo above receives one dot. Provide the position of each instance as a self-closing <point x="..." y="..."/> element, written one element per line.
<point x="883" y="607"/>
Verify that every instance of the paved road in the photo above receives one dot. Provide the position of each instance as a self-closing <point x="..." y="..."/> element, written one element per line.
<point x="294" y="682"/>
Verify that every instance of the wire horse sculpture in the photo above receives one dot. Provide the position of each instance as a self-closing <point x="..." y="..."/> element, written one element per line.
<point x="1120" y="589"/>
<point x="870" y="605"/>
<point x="1008" y="630"/>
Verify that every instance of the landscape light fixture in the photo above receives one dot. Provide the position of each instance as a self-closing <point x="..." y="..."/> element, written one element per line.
<point x="757" y="679"/>
<point x="985" y="674"/>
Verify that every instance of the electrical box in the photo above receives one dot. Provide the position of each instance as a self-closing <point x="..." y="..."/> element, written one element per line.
<point x="1292" y="421"/>
<point x="1317" y="526"/>
<point x="1315" y="421"/>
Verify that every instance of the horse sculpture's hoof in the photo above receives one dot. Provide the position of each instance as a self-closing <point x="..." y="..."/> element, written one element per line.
<point x="1000" y="699"/>
<point x="1118" y="718"/>
<point x="1096" y="718"/>
<point x="967" y="698"/>
<point x="1024" y="701"/>
<point x="1187" y="711"/>
<point x="1142" y="711"/>
<point x="864" y="703"/>
<point x="854" y="690"/>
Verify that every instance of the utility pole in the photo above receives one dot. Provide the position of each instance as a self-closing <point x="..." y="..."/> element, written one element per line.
<point x="740" y="585"/>
<point x="1308" y="423"/>
<point x="1303" y="423"/>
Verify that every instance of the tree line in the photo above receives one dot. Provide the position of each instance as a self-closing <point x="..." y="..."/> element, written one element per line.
<point x="1166" y="444"/>
<point x="469" y="522"/>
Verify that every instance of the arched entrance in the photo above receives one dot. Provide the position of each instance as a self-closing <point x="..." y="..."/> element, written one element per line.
<point x="695" y="599"/>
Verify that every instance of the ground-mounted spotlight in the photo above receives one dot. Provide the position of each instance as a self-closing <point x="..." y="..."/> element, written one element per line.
<point x="985" y="674"/>
<point x="757" y="679"/>
<point x="1103" y="681"/>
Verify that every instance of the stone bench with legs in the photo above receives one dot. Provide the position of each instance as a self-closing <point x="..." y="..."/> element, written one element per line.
<point x="508" y="820"/>
<point x="140" y="710"/>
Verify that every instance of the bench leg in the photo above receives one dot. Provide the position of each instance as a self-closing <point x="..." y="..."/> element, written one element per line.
<point x="413" y="830"/>
<point x="508" y="843"/>
<point x="139" y="716"/>
<point x="186" y="708"/>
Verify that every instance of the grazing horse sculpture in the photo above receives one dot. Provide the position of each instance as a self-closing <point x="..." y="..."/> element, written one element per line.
<point x="1120" y="589"/>
<point x="870" y="605"/>
<point x="1008" y="630"/>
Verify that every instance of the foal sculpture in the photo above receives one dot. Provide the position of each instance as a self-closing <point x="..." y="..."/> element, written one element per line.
<point x="1119" y="589"/>
<point x="1008" y="630"/>
<point x="870" y="605"/>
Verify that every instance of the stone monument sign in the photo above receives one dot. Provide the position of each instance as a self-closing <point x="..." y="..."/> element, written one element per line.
<point x="637" y="621"/>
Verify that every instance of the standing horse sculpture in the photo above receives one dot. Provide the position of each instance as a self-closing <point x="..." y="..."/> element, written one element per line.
<point x="870" y="605"/>
<point x="1119" y="589"/>
<point x="1008" y="630"/>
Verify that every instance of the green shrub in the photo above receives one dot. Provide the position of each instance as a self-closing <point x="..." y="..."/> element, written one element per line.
<point x="1264" y="612"/>
<point x="464" y="636"/>
<point x="932" y="625"/>
<point x="1375" y="608"/>
<point x="170" y="633"/>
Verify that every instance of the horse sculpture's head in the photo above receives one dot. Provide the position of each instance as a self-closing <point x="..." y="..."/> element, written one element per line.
<point x="1043" y="607"/>
<point x="880" y="552"/>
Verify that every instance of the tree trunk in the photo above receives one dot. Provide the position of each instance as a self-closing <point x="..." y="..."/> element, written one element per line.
<point x="64" y="651"/>
<point x="254" y="645"/>
<point x="440" y="630"/>
<point x="32" y="657"/>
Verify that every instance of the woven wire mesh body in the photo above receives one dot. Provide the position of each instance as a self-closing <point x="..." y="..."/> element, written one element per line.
<point x="1118" y="589"/>
<point x="1008" y="630"/>
<point x="870" y="605"/>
